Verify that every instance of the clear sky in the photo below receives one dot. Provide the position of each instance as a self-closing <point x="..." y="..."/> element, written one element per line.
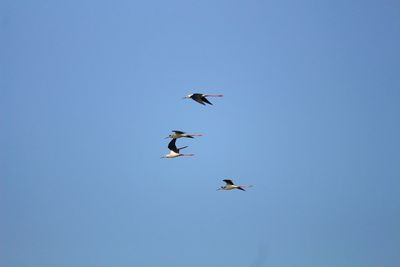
<point x="310" y="116"/>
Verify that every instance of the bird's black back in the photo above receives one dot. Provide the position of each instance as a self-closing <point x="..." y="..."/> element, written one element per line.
<point x="198" y="98"/>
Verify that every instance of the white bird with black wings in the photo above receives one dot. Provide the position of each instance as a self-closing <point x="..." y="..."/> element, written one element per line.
<point x="174" y="151"/>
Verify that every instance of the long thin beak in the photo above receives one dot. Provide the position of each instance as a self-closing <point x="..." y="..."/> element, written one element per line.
<point x="166" y="137"/>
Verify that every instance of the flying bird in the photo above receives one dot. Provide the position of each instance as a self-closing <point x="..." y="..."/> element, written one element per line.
<point x="174" y="151"/>
<point x="201" y="98"/>
<point x="229" y="185"/>
<point x="178" y="134"/>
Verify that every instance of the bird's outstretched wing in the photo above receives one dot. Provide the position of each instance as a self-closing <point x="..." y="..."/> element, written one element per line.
<point x="178" y="132"/>
<point x="199" y="101"/>
<point x="205" y="100"/>
<point x="172" y="146"/>
<point x="227" y="181"/>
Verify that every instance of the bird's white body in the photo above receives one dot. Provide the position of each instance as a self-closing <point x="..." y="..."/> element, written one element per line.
<point x="178" y="135"/>
<point x="230" y="187"/>
<point x="173" y="154"/>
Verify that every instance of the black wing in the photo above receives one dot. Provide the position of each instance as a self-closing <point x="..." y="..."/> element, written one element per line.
<point x="228" y="181"/>
<point x="198" y="98"/>
<point x="241" y="188"/>
<point x="178" y="132"/>
<point x="172" y="146"/>
<point x="206" y="100"/>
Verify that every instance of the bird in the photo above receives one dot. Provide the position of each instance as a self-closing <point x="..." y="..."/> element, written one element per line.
<point x="201" y="98"/>
<point x="178" y="134"/>
<point x="174" y="151"/>
<point x="229" y="185"/>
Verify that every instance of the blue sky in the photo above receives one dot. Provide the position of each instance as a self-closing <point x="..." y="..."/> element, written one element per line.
<point x="310" y="117"/>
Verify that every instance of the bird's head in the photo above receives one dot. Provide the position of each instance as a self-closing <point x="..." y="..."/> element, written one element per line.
<point x="188" y="96"/>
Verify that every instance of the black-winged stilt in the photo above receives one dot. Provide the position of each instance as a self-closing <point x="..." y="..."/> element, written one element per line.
<point x="201" y="98"/>
<point x="229" y="185"/>
<point x="174" y="151"/>
<point x="178" y="134"/>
